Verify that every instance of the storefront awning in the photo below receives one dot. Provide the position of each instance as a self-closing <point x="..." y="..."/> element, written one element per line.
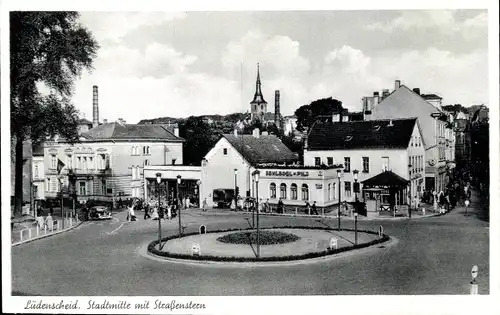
<point x="386" y="178"/>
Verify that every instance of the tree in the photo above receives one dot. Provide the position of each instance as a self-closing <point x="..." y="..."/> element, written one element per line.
<point x="51" y="48"/>
<point x="308" y="114"/>
<point x="200" y="138"/>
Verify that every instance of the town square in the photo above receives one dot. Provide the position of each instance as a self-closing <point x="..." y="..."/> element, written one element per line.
<point x="174" y="156"/>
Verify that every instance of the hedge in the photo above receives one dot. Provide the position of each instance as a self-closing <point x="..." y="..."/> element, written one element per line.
<point x="326" y="252"/>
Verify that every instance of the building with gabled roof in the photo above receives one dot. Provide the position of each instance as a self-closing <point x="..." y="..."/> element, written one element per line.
<point x="366" y="149"/>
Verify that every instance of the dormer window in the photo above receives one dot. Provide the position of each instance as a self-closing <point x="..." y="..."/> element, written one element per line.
<point x="348" y="138"/>
<point x="376" y="128"/>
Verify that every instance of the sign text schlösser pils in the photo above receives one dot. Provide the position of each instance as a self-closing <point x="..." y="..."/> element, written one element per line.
<point x="287" y="173"/>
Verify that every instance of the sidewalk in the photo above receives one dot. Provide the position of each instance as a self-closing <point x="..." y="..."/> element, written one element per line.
<point x="415" y="214"/>
<point x="27" y="229"/>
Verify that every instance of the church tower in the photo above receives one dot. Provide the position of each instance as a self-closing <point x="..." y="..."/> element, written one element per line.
<point x="258" y="106"/>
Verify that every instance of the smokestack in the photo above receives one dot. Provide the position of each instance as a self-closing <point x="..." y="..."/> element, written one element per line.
<point x="385" y="93"/>
<point x="95" y="106"/>
<point x="397" y="84"/>
<point x="417" y="90"/>
<point x="277" y="115"/>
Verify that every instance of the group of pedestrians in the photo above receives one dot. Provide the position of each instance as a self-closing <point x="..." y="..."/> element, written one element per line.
<point x="153" y="211"/>
<point x="456" y="193"/>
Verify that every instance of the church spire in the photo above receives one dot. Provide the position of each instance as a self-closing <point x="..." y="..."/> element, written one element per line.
<point x="258" y="98"/>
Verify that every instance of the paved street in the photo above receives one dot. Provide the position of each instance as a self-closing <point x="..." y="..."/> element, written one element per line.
<point x="433" y="256"/>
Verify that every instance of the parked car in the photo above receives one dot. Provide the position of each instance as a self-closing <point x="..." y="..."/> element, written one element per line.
<point x="99" y="213"/>
<point x="223" y="197"/>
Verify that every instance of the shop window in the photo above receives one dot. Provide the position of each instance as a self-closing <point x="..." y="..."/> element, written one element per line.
<point x="272" y="190"/>
<point x="283" y="191"/>
<point x="305" y="192"/>
<point x="293" y="190"/>
<point x="347" y="186"/>
<point x="347" y="164"/>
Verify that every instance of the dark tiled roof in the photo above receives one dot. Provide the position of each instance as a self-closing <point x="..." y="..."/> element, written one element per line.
<point x="386" y="178"/>
<point x="265" y="149"/>
<point x="117" y="131"/>
<point x="361" y="134"/>
<point x="431" y="96"/>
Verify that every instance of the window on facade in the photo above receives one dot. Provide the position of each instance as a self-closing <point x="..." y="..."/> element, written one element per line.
<point x="347" y="164"/>
<point x="330" y="160"/>
<point x="103" y="187"/>
<point x="47" y="187"/>
<point x="36" y="171"/>
<point x="84" y="166"/>
<point x="91" y="163"/>
<point x="133" y="172"/>
<point x="146" y="162"/>
<point x="366" y="164"/>
<point x="79" y="162"/>
<point x="385" y="163"/>
<point x="334" y="189"/>
<point x="224" y="151"/>
<point x="347" y="186"/>
<point x="329" y="191"/>
<point x="283" y="191"/>
<point x="272" y="190"/>
<point x="69" y="161"/>
<point x="83" y="188"/>
<point x="317" y="161"/>
<point x="293" y="190"/>
<point x="410" y="165"/>
<point x="305" y="192"/>
<point x="53" y="161"/>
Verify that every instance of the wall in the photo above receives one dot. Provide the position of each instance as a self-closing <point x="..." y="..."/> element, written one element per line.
<point x="218" y="171"/>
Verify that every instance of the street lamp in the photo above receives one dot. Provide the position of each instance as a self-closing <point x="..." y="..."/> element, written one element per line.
<point x="409" y="177"/>
<point x="355" y="228"/>
<point x="339" y="175"/>
<point x="355" y="174"/>
<point x="235" y="189"/>
<point x="256" y="178"/>
<point x="158" y="182"/>
<point x="178" y="204"/>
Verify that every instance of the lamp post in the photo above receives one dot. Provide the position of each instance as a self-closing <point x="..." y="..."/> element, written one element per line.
<point x="409" y="193"/>
<point x="339" y="175"/>
<point x="355" y="228"/>
<point x="256" y="178"/>
<point x="235" y="189"/>
<point x="158" y="182"/>
<point x="179" y="204"/>
<point x="355" y="174"/>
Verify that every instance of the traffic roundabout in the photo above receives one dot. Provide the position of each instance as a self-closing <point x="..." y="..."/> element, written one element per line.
<point x="276" y="245"/>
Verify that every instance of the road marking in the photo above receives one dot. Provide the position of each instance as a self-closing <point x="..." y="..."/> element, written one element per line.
<point x="109" y="233"/>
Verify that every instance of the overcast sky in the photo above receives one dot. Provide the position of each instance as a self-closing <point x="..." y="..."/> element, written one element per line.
<point x="180" y="64"/>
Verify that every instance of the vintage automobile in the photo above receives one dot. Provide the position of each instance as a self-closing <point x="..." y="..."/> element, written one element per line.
<point x="99" y="213"/>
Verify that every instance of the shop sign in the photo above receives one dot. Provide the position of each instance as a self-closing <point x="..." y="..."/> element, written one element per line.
<point x="287" y="173"/>
<point x="319" y="186"/>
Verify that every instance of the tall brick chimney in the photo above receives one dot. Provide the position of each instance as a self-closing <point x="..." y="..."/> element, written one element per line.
<point x="95" y="107"/>
<point x="277" y="114"/>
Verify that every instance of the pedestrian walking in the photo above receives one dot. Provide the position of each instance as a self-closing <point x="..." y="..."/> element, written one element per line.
<point x="280" y="206"/>
<point x="314" y="210"/>
<point x="204" y="207"/>
<point x="169" y="213"/>
<point x="120" y="203"/>
<point x="308" y="208"/>
<point x="146" y="212"/>
<point x="268" y="206"/>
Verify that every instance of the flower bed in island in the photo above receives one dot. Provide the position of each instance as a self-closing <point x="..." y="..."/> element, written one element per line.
<point x="265" y="238"/>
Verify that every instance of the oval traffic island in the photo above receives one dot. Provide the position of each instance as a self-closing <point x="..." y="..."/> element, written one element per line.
<point x="277" y="244"/>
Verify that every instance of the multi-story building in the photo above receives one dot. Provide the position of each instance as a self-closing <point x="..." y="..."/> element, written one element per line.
<point x="109" y="160"/>
<point x="392" y="150"/>
<point x="38" y="174"/>
<point x="436" y="126"/>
